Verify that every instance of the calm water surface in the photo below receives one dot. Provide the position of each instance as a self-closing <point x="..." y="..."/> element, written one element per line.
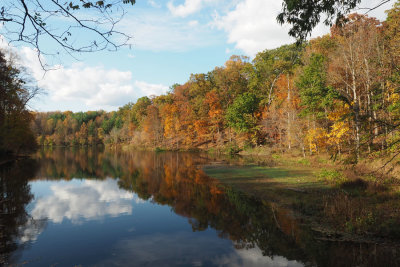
<point x="94" y="208"/>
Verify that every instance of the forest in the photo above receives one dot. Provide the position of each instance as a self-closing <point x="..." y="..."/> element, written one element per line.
<point x="338" y="93"/>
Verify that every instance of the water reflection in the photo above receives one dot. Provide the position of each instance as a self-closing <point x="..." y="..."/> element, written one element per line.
<point x="86" y="200"/>
<point x="120" y="204"/>
<point x="254" y="257"/>
<point x="167" y="250"/>
<point x="15" y="222"/>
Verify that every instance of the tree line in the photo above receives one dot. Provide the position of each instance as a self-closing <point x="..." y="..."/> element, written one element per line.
<point x="336" y="93"/>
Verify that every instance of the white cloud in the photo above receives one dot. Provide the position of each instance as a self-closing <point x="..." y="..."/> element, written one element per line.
<point x="193" y="23"/>
<point x="89" y="200"/>
<point x="252" y="26"/>
<point x="186" y="9"/>
<point x="190" y="7"/>
<point x="94" y="87"/>
<point x="154" y="3"/>
<point x="158" y="31"/>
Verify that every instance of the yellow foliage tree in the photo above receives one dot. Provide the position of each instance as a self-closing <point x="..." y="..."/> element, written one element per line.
<point x="340" y="129"/>
<point x="316" y="138"/>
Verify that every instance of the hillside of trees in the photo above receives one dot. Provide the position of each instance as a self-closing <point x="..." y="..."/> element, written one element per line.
<point x="337" y="93"/>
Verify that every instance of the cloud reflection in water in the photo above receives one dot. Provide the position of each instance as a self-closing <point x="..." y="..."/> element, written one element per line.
<point x="253" y="258"/>
<point x="182" y="248"/>
<point x="87" y="200"/>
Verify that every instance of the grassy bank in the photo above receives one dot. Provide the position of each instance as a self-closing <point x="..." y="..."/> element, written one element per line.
<point x="344" y="202"/>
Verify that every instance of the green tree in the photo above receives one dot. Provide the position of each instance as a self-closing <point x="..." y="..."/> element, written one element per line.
<point x="315" y="95"/>
<point x="139" y="110"/>
<point x="241" y="114"/>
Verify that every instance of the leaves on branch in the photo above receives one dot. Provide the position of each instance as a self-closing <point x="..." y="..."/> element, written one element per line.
<point x="304" y="15"/>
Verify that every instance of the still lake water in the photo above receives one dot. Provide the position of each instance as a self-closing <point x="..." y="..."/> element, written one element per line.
<point x="95" y="208"/>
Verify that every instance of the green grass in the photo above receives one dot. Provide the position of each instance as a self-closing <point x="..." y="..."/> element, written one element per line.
<point x="262" y="174"/>
<point x="325" y="196"/>
<point x="278" y="184"/>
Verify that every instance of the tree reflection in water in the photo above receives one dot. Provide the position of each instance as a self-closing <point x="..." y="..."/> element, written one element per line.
<point x="177" y="180"/>
<point x="15" y="223"/>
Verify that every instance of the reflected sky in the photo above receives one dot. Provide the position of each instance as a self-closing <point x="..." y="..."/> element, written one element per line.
<point x="76" y="201"/>
<point x="94" y="222"/>
<point x="253" y="257"/>
<point x="79" y="200"/>
<point x="172" y="250"/>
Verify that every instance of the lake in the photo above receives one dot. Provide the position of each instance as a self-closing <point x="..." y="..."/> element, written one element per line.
<point x="98" y="208"/>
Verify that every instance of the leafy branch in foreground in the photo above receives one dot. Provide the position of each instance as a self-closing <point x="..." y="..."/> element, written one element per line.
<point x="305" y="15"/>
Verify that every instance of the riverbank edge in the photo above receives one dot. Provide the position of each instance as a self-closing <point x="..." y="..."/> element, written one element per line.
<point x="340" y="233"/>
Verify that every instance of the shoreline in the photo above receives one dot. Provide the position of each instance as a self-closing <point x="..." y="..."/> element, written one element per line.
<point x="325" y="196"/>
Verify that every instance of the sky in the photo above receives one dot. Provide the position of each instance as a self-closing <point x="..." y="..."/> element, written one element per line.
<point x="171" y="39"/>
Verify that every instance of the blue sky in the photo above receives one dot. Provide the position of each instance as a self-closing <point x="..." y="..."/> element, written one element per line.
<point x="171" y="40"/>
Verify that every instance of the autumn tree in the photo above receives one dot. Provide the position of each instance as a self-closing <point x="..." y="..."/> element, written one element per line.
<point x="83" y="135"/>
<point x="269" y="66"/>
<point x="232" y="79"/>
<point x="15" y="119"/>
<point x="138" y="111"/>
<point x="351" y="69"/>
<point x="316" y="100"/>
<point x="152" y="126"/>
<point x="215" y="111"/>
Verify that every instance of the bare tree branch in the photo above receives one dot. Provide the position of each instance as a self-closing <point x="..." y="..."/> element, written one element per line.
<point x="369" y="9"/>
<point x="35" y="22"/>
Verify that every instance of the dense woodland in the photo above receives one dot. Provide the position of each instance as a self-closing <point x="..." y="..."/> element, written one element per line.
<point x="337" y="93"/>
